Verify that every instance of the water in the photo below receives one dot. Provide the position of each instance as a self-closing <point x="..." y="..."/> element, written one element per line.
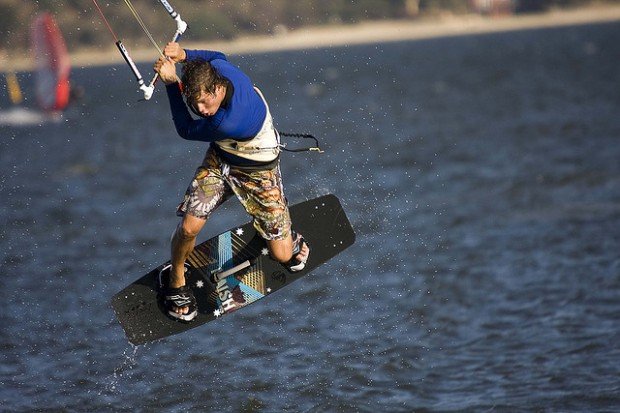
<point x="481" y="174"/>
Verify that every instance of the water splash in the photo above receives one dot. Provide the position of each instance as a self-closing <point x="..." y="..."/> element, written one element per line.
<point x="128" y="362"/>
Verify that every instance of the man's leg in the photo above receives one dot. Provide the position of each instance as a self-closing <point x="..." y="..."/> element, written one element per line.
<point x="183" y="242"/>
<point x="282" y="250"/>
<point x="262" y="195"/>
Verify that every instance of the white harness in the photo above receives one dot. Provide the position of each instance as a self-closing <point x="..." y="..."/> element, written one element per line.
<point x="264" y="147"/>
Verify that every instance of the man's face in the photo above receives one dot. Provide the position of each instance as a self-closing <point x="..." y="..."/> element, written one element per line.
<point x="207" y="104"/>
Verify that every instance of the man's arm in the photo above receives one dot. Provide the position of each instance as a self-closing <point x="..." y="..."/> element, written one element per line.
<point x="187" y="127"/>
<point x="175" y="52"/>
<point x="204" y="130"/>
<point x="207" y="55"/>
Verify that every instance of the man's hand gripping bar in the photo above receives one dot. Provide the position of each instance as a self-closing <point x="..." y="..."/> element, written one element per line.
<point x="148" y="89"/>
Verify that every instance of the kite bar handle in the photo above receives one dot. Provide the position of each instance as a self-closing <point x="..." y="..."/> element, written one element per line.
<point x="148" y="90"/>
<point x="181" y="27"/>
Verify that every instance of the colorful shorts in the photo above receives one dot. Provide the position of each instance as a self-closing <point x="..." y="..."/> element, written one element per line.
<point x="260" y="192"/>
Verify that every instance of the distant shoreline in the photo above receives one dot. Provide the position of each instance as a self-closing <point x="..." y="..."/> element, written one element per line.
<point x="364" y="33"/>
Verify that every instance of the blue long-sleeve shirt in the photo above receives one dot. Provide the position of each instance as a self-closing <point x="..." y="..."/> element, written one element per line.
<point x="241" y="118"/>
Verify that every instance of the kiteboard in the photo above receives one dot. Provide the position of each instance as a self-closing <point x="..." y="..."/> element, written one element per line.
<point x="233" y="270"/>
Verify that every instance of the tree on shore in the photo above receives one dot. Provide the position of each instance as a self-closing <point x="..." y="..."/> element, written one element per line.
<point x="223" y="19"/>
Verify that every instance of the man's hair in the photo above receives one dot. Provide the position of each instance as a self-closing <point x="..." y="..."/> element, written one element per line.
<point x="200" y="76"/>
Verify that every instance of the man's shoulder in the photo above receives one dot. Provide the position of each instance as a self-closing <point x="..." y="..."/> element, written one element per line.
<point x="234" y="74"/>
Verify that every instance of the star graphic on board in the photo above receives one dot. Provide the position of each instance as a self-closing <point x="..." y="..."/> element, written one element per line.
<point x="268" y="289"/>
<point x="217" y="313"/>
<point x="200" y="284"/>
<point x="264" y="251"/>
<point x="239" y="231"/>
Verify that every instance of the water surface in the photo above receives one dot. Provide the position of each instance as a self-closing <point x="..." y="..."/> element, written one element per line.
<point x="481" y="174"/>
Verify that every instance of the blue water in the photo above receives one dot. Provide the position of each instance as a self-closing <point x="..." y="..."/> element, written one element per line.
<point x="481" y="174"/>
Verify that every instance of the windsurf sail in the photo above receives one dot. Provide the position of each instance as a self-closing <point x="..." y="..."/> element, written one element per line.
<point x="52" y="64"/>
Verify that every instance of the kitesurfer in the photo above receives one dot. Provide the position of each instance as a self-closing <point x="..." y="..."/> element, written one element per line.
<point x="242" y="160"/>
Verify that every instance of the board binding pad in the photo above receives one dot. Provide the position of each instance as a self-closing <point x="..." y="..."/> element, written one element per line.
<point x="233" y="270"/>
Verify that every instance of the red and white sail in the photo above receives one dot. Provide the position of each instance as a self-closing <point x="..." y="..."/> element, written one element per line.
<point x="52" y="64"/>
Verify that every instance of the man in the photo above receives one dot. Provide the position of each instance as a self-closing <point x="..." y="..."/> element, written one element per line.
<point x="242" y="160"/>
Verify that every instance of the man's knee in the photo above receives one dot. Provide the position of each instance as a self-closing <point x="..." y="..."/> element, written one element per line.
<point x="186" y="231"/>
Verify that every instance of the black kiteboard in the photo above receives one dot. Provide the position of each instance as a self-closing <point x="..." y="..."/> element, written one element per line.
<point x="233" y="270"/>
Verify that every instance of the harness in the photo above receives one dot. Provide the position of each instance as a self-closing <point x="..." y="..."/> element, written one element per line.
<point x="264" y="147"/>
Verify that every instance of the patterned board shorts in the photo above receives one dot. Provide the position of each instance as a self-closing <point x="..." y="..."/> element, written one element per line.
<point x="260" y="192"/>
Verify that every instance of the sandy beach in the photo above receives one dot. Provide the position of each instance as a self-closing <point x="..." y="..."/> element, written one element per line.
<point x="366" y="33"/>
